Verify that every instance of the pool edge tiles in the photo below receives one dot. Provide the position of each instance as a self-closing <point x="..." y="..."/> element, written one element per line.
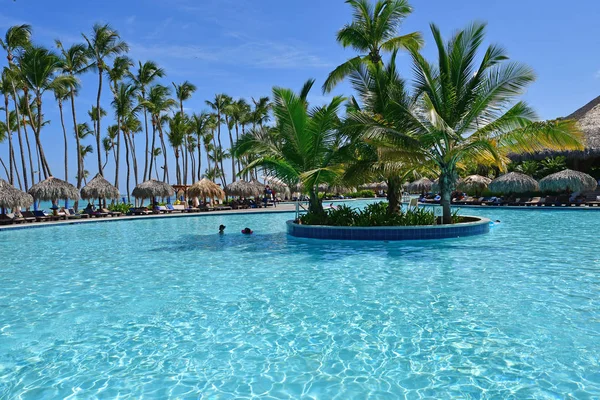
<point x="391" y="233"/>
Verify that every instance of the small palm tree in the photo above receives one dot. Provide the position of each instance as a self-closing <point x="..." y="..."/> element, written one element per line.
<point x="155" y="153"/>
<point x="373" y="30"/>
<point x="218" y="105"/>
<point x="304" y="145"/>
<point x="184" y="92"/>
<point x="461" y="112"/>
<point x="146" y="73"/>
<point x="179" y="127"/>
<point x="158" y="104"/>
<point x="61" y="94"/>
<point x="103" y="43"/>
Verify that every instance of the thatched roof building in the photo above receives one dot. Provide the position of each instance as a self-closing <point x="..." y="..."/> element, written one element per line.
<point x="99" y="188"/>
<point x="206" y="189"/>
<point x="420" y="186"/>
<point x="11" y="197"/>
<point x="152" y="188"/>
<point x="244" y="189"/>
<point x="476" y="183"/>
<point x="513" y="182"/>
<point x="53" y="189"/>
<point x="568" y="180"/>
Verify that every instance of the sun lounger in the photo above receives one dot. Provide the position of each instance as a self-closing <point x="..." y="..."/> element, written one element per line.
<point x="40" y="216"/>
<point x="111" y="213"/>
<point x="17" y="219"/>
<point x="534" y="201"/>
<point x="563" y="201"/>
<point x="5" y="219"/>
<point x="74" y="215"/>
<point x="139" y="211"/>
<point x="222" y="208"/>
<point x="28" y="216"/>
<point x="179" y="208"/>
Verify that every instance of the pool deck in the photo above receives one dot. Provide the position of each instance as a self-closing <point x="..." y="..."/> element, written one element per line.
<point x="281" y="207"/>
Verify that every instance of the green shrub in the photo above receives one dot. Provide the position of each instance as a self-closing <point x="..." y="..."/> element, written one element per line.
<point x="121" y="207"/>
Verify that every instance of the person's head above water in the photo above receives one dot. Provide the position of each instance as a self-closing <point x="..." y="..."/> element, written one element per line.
<point x="221" y="228"/>
<point x="246" y="231"/>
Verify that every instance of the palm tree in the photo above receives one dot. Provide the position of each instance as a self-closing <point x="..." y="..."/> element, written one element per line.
<point x="463" y="112"/>
<point x="260" y="114"/>
<point x="305" y="143"/>
<point x="218" y="105"/>
<point x="40" y="69"/>
<point x="103" y="43"/>
<point x="130" y="126"/>
<point x="6" y="90"/>
<point x="145" y="75"/>
<point x="155" y="153"/>
<point x="108" y="143"/>
<point x="178" y="129"/>
<point x="74" y="63"/>
<point x="3" y="134"/>
<point x="157" y="104"/>
<point x="83" y="130"/>
<point x="16" y="38"/>
<point x="184" y="92"/>
<point x="200" y="124"/>
<point x="23" y="104"/>
<point x="373" y="30"/>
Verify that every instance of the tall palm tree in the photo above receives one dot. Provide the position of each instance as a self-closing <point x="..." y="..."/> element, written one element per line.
<point x="238" y="112"/>
<point x="83" y="130"/>
<point x="218" y="105"/>
<point x="155" y="153"/>
<point x="178" y="129"/>
<point x="75" y="62"/>
<point x="464" y="111"/>
<point x="132" y="125"/>
<point x="260" y="114"/>
<point x="23" y="104"/>
<point x="184" y="92"/>
<point x="305" y="144"/>
<point x="40" y="69"/>
<point x="158" y="104"/>
<point x="122" y="100"/>
<point x="103" y="43"/>
<point x="6" y="90"/>
<point x="200" y="124"/>
<point x="374" y="29"/>
<point x="146" y="74"/>
<point x="15" y="40"/>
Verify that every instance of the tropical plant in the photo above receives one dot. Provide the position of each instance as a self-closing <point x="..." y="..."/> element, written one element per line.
<point x="218" y="105"/>
<point x="184" y="92"/>
<point x="464" y="111"/>
<point x="374" y="29"/>
<point x="158" y="104"/>
<point x="305" y="143"/>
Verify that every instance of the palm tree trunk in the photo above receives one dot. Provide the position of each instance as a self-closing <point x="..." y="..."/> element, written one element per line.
<point x="117" y="154"/>
<point x="394" y="195"/>
<point x="233" y="177"/>
<point x="31" y="169"/>
<point x="199" y="158"/>
<point x="177" y="170"/>
<point x="221" y="148"/>
<point x="237" y="138"/>
<point x="152" y="157"/>
<point x="447" y="179"/>
<point x="147" y="141"/>
<point x="128" y="171"/>
<point x="14" y="161"/>
<point x="10" y="146"/>
<point x="77" y="142"/>
<point x="193" y="168"/>
<point x="36" y="131"/>
<point x="23" y="163"/>
<point x="4" y="166"/>
<point x="155" y="169"/>
<point x="62" y="122"/>
<point x="164" y="151"/>
<point x="315" y="206"/>
<point x="100" y="170"/>
<point x="133" y="158"/>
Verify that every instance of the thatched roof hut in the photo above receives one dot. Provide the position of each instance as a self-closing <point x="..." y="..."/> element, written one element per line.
<point x="513" y="182"/>
<point x="243" y="189"/>
<point x="476" y="183"/>
<point x="420" y="186"/>
<point x="99" y="188"/>
<point x="206" y="188"/>
<point x="53" y="189"/>
<point x="152" y="188"/>
<point x="568" y="180"/>
<point x="375" y="186"/>
<point x="435" y="186"/>
<point x="11" y="197"/>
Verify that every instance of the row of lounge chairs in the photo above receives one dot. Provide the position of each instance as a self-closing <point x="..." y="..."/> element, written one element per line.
<point x="63" y="215"/>
<point x="549" y="201"/>
<point x="180" y="208"/>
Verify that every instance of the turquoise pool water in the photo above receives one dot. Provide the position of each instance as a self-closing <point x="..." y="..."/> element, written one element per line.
<point x="169" y="309"/>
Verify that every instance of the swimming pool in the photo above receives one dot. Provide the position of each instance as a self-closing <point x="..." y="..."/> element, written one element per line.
<point x="169" y="309"/>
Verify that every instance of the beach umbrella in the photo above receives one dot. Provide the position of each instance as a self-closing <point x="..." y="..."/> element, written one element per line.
<point x="474" y="183"/>
<point x="99" y="188"/>
<point x="206" y="188"/>
<point x="151" y="189"/>
<point x="513" y="182"/>
<point x="242" y="188"/>
<point x="420" y="186"/>
<point x="11" y="197"/>
<point x="54" y="189"/>
<point x="568" y="181"/>
<point x="259" y="186"/>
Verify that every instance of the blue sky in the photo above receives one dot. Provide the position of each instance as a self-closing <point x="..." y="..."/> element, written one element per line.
<point x="245" y="47"/>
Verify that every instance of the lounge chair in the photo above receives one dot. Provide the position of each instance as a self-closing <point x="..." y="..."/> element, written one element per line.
<point x="73" y="215"/>
<point x="176" y="209"/>
<point x="161" y="210"/>
<point x="17" y="219"/>
<point x="563" y="201"/>
<point x="111" y="213"/>
<point x="40" y="216"/>
<point x="139" y="211"/>
<point x="28" y="216"/>
<point x="222" y="207"/>
<point x="5" y="219"/>
<point x="534" y="202"/>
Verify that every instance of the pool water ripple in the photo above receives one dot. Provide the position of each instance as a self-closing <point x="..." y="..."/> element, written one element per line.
<point x="169" y="309"/>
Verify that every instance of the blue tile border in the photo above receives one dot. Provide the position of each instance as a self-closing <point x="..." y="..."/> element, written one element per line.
<point x="478" y="226"/>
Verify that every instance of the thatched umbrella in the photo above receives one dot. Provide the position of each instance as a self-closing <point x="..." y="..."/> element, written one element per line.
<point x="569" y="181"/>
<point x="206" y="188"/>
<point x="420" y="186"/>
<point x="513" y="182"/>
<point x="53" y="189"/>
<point x="11" y="197"/>
<point x="151" y="189"/>
<point x="259" y="186"/>
<point x="99" y="188"/>
<point x="475" y="183"/>
<point x="243" y="189"/>
<point x="376" y="186"/>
